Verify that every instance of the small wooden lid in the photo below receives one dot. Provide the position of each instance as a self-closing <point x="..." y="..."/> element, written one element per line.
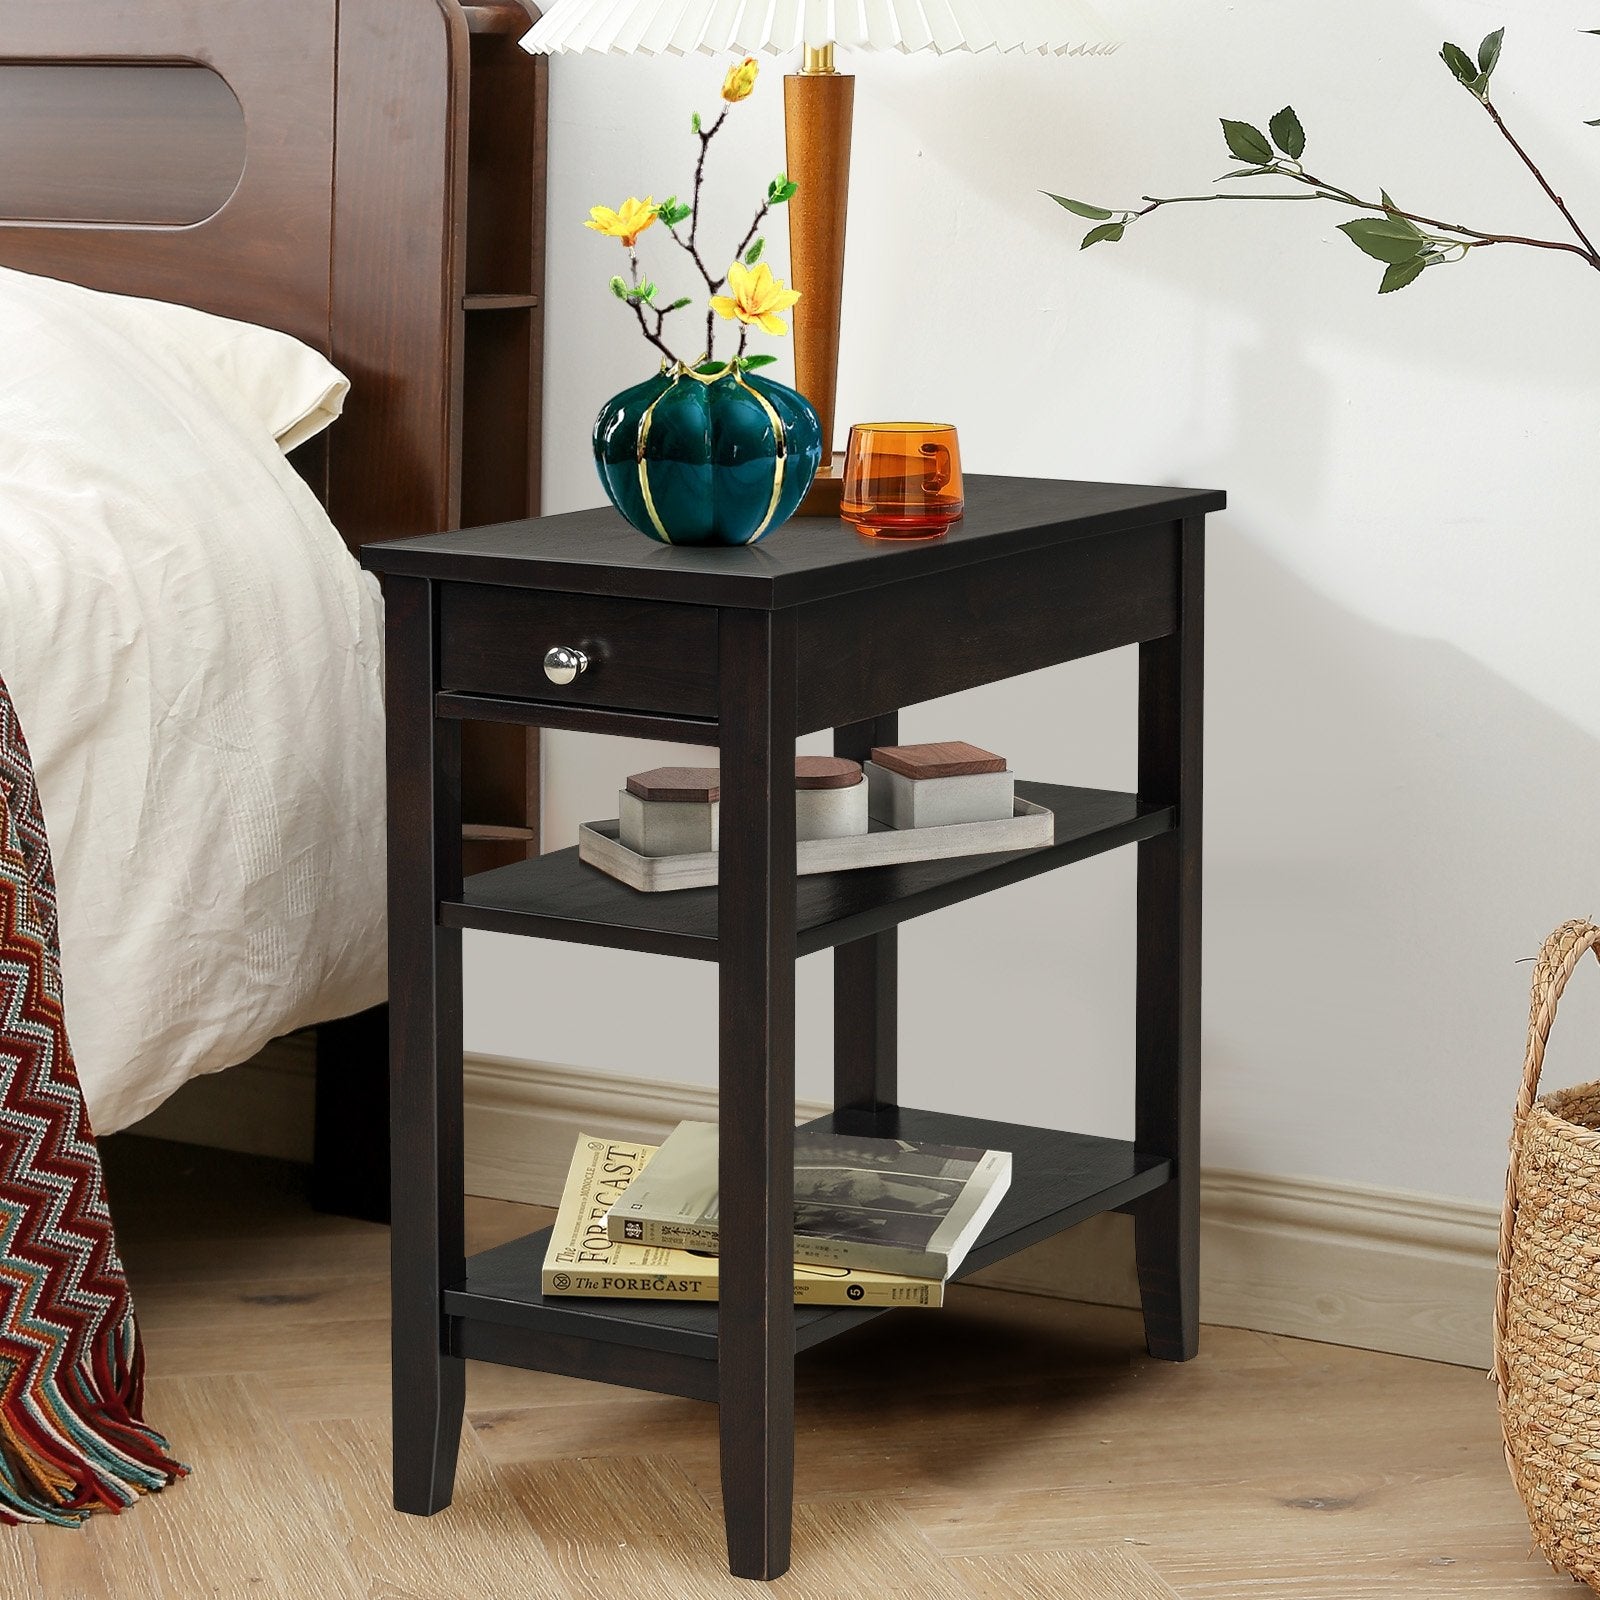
<point x="685" y="785"/>
<point x="826" y="772"/>
<point x="950" y="760"/>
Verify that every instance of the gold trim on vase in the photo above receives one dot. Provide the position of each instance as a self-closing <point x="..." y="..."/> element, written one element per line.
<point x="780" y="440"/>
<point x="644" y="466"/>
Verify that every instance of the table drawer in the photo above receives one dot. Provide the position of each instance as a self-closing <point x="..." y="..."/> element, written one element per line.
<point x="643" y="655"/>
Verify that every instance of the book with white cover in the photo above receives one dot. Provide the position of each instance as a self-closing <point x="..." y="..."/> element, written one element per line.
<point x="582" y="1260"/>
<point x="883" y="1205"/>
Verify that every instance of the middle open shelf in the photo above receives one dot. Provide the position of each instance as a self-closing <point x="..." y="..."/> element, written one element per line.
<point x="557" y="896"/>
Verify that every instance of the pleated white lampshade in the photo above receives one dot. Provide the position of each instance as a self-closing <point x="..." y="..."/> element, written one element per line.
<point x="676" y="27"/>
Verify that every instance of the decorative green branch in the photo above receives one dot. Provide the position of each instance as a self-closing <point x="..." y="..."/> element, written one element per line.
<point x="1406" y="242"/>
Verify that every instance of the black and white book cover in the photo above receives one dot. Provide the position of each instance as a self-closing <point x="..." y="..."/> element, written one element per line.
<point x="885" y="1205"/>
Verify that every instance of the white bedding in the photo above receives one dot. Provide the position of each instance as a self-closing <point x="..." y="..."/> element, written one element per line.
<point x="195" y="658"/>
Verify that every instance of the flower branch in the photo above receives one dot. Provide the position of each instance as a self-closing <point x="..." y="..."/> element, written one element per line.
<point x="642" y="297"/>
<point x="756" y="295"/>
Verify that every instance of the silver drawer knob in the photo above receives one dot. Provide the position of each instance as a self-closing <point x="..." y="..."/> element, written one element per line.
<point x="562" y="663"/>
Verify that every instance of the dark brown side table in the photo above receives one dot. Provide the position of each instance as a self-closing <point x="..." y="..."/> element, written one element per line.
<point x="578" y="622"/>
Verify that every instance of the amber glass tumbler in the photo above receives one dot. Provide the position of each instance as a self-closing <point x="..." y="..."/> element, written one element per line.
<point x="902" y="480"/>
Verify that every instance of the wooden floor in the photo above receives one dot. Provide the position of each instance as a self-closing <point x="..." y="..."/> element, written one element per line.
<point x="1004" y="1447"/>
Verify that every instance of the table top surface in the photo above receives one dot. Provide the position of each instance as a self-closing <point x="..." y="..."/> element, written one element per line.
<point x="809" y="558"/>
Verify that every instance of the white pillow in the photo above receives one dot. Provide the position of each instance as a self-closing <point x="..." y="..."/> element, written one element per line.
<point x="291" y="389"/>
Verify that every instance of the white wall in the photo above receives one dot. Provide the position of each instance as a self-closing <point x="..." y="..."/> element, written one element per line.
<point x="1404" y="701"/>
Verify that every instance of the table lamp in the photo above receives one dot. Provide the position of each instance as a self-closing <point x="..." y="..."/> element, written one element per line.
<point x="818" y="108"/>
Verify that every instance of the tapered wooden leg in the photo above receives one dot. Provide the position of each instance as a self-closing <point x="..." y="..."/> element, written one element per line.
<point x="1167" y="1222"/>
<point x="427" y="1241"/>
<point x="866" y="973"/>
<point x="756" y="939"/>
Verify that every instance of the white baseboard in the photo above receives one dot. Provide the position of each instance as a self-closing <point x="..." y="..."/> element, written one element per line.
<point x="1376" y="1269"/>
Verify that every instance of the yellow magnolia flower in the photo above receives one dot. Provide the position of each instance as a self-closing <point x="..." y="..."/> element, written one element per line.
<point x="740" y="80"/>
<point x="757" y="297"/>
<point x="626" y="224"/>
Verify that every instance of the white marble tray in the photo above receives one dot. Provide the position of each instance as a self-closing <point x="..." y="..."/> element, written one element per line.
<point x="1031" y="827"/>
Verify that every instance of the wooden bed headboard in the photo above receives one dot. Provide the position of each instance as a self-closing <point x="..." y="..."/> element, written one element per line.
<point x="367" y="175"/>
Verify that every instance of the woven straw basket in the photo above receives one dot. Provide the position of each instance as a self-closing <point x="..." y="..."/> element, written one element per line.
<point x="1547" y="1317"/>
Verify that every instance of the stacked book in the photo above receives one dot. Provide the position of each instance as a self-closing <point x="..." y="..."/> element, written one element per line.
<point x="878" y="1222"/>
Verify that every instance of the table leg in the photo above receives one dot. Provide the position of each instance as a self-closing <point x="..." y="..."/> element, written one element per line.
<point x="427" y="1237"/>
<point x="866" y="976"/>
<point x="1167" y="1222"/>
<point x="756" y="939"/>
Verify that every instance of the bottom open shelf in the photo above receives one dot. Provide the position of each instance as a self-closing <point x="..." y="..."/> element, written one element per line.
<point x="1059" y="1179"/>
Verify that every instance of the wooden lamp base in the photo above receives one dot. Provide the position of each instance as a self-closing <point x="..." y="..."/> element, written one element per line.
<point x="818" y="111"/>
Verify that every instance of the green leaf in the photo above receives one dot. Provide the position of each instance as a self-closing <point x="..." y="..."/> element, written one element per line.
<point x="1081" y="208"/>
<point x="694" y="122"/>
<point x="1248" y="172"/>
<point x="1287" y="133"/>
<point x="1400" y="222"/>
<point x="1489" y="52"/>
<point x="1461" y="64"/>
<point x="1246" y="142"/>
<point x="781" y="190"/>
<point x="1402" y="273"/>
<point x="619" y="288"/>
<point x="710" y="369"/>
<point x="647" y="290"/>
<point x="753" y="254"/>
<point x="1390" y="239"/>
<point x="677" y="305"/>
<point x="1110" y="232"/>
<point x="672" y="210"/>
<point x="749" y="363"/>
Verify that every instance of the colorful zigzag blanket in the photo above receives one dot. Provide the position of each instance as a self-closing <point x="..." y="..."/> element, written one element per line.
<point x="72" y="1436"/>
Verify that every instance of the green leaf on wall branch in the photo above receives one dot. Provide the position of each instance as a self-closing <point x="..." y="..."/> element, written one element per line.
<point x="1246" y="142"/>
<point x="1107" y="232"/>
<point x="1402" y="273"/>
<point x="1388" y="239"/>
<point x="619" y="288"/>
<point x="1080" y="208"/>
<point x="749" y="363"/>
<point x="1395" y="217"/>
<point x="1287" y="133"/>
<point x="1489" y="52"/>
<point x="753" y="254"/>
<point x="1465" y="69"/>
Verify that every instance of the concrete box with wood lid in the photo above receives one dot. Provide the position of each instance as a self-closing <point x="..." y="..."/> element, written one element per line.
<point x="670" y="811"/>
<point x="937" y="785"/>
<point x="830" y="798"/>
<point x="675" y="811"/>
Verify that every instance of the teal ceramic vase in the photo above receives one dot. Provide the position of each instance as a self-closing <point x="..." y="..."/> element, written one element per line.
<point x="707" y="460"/>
